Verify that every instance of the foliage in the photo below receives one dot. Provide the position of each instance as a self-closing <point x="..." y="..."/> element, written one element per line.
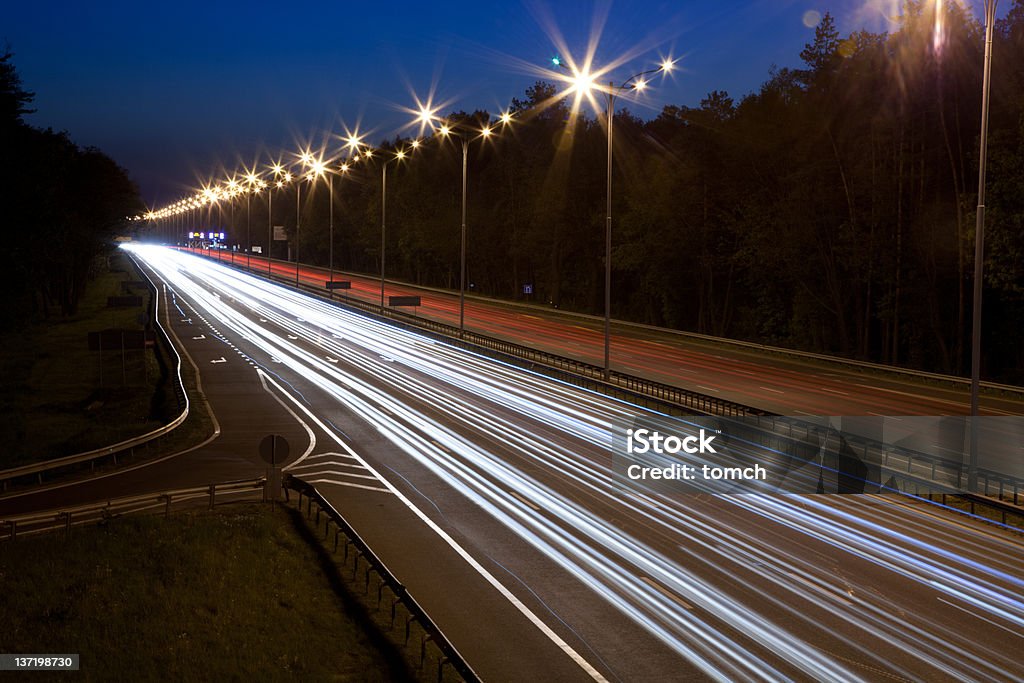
<point x="831" y="210"/>
<point x="63" y="205"/>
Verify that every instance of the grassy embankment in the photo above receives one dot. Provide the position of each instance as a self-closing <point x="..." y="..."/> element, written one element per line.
<point x="59" y="398"/>
<point x="235" y="594"/>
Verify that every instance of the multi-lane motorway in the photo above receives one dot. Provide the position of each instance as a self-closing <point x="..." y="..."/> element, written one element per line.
<point x="489" y="492"/>
<point x="510" y="472"/>
<point x="783" y="384"/>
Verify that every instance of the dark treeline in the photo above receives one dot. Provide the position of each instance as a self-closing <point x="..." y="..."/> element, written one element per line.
<point x="62" y="207"/>
<point x="832" y="210"/>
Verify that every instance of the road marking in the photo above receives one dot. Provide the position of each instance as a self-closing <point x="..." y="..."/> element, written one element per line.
<point x="835" y="391"/>
<point x="523" y="500"/>
<point x="292" y="336"/>
<point x="331" y="360"/>
<point x="222" y="359"/>
<point x="487" y="576"/>
<point x="774" y="391"/>
<point x="309" y="432"/>
<point x="701" y="386"/>
<point x="816" y="588"/>
<point x="664" y="591"/>
<point x="345" y="483"/>
<point x="978" y="616"/>
<point x="202" y="336"/>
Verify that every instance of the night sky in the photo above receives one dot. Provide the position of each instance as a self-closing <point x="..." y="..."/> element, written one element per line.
<point x="172" y="91"/>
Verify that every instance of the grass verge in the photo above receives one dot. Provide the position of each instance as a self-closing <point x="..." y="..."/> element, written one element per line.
<point x="59" y="398"/>
<point x="233" y="594"/>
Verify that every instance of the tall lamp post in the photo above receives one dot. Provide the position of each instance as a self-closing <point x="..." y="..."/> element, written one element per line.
<point x="251" y="186"/>
<point x="584" y="82"/>
<point x="276" y="183"/>
<point x="979" y="248"/>
<point x="342" y="169"/>
<point x="400" y="155"/>
<point x="485" y="132"/>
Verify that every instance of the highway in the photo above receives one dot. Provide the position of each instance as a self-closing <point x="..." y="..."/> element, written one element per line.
<point x="785" y="385"/>
<point x="444" y="458"/>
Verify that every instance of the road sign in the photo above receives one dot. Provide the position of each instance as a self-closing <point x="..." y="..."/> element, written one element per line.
<point x="403" y="301"/>
<point x="279" y="235"/>
<point x="338" y="284"/>
<point x="274" y="449"/>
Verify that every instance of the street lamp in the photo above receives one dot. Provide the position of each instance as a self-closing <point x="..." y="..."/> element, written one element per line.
<point x="276" y="183"/>
<point x="485" y="132"/>
<point x="979" y="248"/>
<point x="583" y="82"/>
<point x="342" y="169"/>
<point x="398" y="157"/>
<point x="251" y="186"/>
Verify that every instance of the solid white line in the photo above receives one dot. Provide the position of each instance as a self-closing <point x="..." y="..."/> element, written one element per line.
<point x="338" y="474"/>
<point x="505" y="592"/>
<point x="774" y="391"/>
<point x="309" y="432"/>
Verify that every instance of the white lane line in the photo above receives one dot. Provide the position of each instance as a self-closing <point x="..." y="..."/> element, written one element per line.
<point x="835" y="391"/>
<point x="774" y="391"/>
<point x="666" y="592"/>
<point x="309" y="432"/>
<point x="487" y="576"/>
<point x="523" y="500"/>
<point x="336" y="473"/>
<point x="701" y="386"/>
<point x="978" y="616"/>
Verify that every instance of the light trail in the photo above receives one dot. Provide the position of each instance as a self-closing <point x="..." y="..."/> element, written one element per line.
<point x="534" y="453"/>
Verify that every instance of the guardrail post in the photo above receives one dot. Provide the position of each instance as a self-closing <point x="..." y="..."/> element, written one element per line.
<point x="408" y="620"/>
<point x="67" y="523"/>
<point x="213" y="494"/>
<point x="14" y="532"/>
<point x="440" y="668"/>
<point x="167" y="507"/>
<point x="423" y="648"/>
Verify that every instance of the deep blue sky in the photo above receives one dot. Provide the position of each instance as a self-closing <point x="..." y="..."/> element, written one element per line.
<point x="173" y="90"/>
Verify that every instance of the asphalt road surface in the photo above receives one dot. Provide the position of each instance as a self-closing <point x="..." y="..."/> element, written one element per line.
<point x="786" y="385"/>
<point x="490" y="492"/>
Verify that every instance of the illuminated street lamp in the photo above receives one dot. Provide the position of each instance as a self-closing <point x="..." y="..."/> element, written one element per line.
<point x="252" y="183"/>
<point x="342" y="169"/>
<point x="979" y="249"/>
<point x="582" y="82"/>
<point x="276" y="183"/>
<point x="398" y="157"/>
<point x="485" y="132"/>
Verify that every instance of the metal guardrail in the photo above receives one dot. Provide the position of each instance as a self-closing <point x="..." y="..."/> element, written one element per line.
<point x="432" y="632"/>
<point x="64" y="518"/>
<point x="181" y="395"/>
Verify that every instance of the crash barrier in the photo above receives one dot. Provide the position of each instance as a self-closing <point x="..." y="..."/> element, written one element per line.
<point x="351" y="541"/>
<point x="164" y="351"/>
<point x="166" y="502"/>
